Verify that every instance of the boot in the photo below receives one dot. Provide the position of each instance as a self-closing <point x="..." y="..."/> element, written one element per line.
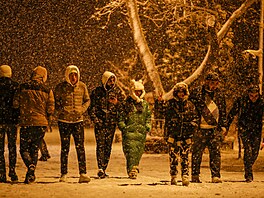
<point x="63" y="178"/>
<point x="133" y="173"/>
<point x="185" y="180"/>
<point x="216" y="180"/>
<point x="13" y="176"/>
<point x="84" y="178"/>
<point x="30" y="176"/>
<point x="196" y="179"/>
<point x="173" y="180"/>
<point x="3" y="178"/>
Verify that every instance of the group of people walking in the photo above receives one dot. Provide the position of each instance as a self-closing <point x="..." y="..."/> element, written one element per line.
<point x="193" y="121"/>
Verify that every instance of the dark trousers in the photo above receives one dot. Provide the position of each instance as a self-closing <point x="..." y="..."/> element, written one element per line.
<point x="30" y="140"/>
<point x="104" y="135"/>
<point x="11" y="132"/>
<point x="177" y="154"/>
<point x="77" y="131"/>
<point x="44" y="149"/>
<point x="210" y="138"/>
<point x="251" y="143"/>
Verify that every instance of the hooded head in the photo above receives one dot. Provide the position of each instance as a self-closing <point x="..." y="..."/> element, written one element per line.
<point x="109" y="80"/>
<point x="5" y="71"/>
<point x="253" y="93"/>
<point x="138" y="90"/>
<point x="183" y="88"/>
<point x="211" y="81"/>
<point x="39" y="74"/>
<point x="70" y="70"/>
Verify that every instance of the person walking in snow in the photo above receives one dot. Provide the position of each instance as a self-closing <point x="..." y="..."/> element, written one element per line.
<point x="36" y="104"/>
<point x="8" y="122"/>
<point x="134" y="123"/>
<point x="71" y="102"/>
<point x="106" y="101"/>
<point x="211" y="106"/>
<point x="249" y="109"/>
<point x="181" y="121"/>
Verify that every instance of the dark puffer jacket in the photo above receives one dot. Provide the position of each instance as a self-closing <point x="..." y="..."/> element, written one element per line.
<point x="8" y="114"/>
<point x="101" y="110"/>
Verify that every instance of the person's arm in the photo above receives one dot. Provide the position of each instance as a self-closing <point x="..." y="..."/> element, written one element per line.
<point x="233" y="112"/>
<point x="86" y="100"/>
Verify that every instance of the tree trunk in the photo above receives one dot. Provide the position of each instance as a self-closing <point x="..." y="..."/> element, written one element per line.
<point x="142" y="46"/>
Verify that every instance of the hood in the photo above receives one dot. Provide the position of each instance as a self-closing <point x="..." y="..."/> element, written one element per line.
<point x="137" y="85"/>
<point x="39" y="74"/>
<point x="106" y="76"/>
<point x="181" y="86"/>
<point x="5" y="71"/>
<point x="72" y="69"/>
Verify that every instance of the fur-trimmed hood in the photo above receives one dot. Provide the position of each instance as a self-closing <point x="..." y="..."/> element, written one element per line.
<point x="137" y="85"/>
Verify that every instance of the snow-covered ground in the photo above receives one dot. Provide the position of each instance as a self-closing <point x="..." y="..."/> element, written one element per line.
<point x="153" y="179"/>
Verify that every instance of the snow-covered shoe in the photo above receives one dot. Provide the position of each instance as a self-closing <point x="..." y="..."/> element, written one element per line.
<point x="84" y="178"/>
<point x="173" y="180"/>
<point x="216" y="180"/>
<point x="185" y="180"/>
<point x="63" y="178"/>
<point x="133" y="173"/>
<point x="196" y="179"/>
<point x="101" y="173"/>
<point x="2" y="178"/>
<point x="249" y="179"/>
<point x="13" y="176"/>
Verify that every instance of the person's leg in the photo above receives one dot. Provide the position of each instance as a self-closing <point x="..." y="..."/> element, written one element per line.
<point x="198" y="147"/>
<point x="78" y="135"/>
<point x="25" y="145"/>
<point x="173" y="165"/>
<point x="214" y="148"/>
<point x="110" y="132"/>
<point x="2" y="156"/>
<point x="247" y="157"/>
<point x="100" y="145"/>
<point x="44" y="151"/>
<point x="65" y="134"/>
<point x="12" y="137"/>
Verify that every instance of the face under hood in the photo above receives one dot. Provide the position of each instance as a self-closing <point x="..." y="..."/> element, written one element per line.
<point x="72" y="69"/>
<point x="138" y="85"/>
<point x="106" y="77"/>
<point x="181" y="86"/>
<point x="39" y="74"/>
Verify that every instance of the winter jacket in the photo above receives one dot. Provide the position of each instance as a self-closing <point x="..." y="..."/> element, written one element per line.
<point x="35" y="100"/>
<point x="181" y="118"/>
<point x="249" y="114"/>
<point x="71" y="101"/>
<point x="101" y="110"/>
<point x="8" y="114"/>
<point x="135" y="123"/>
<point x="197" y="97"/>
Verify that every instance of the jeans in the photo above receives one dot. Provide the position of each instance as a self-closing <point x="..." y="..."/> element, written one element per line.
<point x="77" y="131"/>
<point x="11" y="131"/>
<point x="30" y="140"/>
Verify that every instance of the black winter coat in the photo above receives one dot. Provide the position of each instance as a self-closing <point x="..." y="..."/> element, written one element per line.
<point x="181" y="119"/>
<point x="8" y="115"/>
<point x="100" y="109"/>
<point x="197" y="97"/>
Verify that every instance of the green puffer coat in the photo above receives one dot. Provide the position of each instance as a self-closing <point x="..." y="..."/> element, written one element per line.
<point x="134" y="123"/>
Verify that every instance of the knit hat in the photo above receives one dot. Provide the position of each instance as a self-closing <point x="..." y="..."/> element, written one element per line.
<point x="39" y="74"/>
<point x="138" y="86"/>
<point x="5" y="71"/>
<point x="212" y="76"/>
<point x="253" y="89"/>
<point x="181" y="86"/>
